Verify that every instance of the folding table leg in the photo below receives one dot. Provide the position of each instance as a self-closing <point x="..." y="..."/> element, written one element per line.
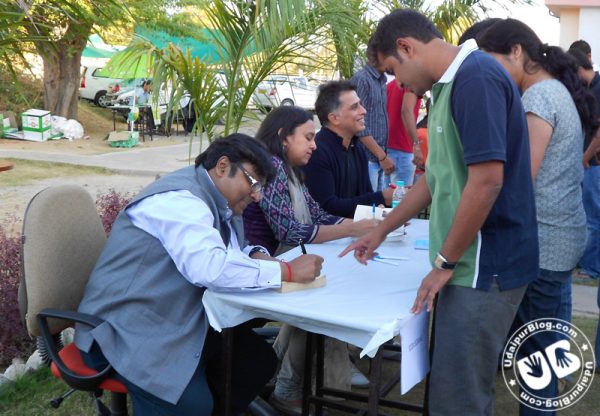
<point x="375" y="382"/>
<point x="320" y="376"/>
<point x="307" y="390"/>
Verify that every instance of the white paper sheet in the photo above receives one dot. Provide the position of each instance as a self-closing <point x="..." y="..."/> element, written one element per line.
<point x="414" y="333"/>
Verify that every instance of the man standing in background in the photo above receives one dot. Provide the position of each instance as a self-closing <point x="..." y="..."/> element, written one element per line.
<point x="403" y="141"/>
<point x="585" y="48"/>
<point x="590" y="261"/>
<point x="370" y="84"/>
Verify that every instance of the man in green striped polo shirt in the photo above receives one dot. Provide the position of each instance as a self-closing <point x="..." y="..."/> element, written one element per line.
<point x="483" y="234"/>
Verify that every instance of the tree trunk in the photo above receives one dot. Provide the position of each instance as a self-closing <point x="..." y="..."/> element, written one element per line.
<point x="61" y="82"/>
<point x="62" y="62"/>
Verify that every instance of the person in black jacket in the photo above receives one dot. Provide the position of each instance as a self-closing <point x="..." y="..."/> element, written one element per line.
<point x="337" y="175"/>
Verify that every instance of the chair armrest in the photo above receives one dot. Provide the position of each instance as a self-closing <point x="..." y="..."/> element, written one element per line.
<point x="82" y="318"/>
<point x="77" y="381"/>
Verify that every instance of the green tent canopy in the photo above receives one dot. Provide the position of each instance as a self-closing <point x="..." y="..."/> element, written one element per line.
<point x="93" y="52"/>
<point x="96" y="48"/>
<point x="126" y="65"/>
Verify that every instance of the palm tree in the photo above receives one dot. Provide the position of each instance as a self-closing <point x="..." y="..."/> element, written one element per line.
<point x="258" y="38"/>
<point x="253" y="39"/>
<point x="451" y="17"/>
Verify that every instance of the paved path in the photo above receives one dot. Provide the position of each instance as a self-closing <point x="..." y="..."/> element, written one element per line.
<point x="137" y="161"/>
<point x="160" y="160"/>
<point x="585" y="301"/>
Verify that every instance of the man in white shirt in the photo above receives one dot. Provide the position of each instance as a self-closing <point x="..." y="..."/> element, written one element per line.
<point x="181" y="235"/>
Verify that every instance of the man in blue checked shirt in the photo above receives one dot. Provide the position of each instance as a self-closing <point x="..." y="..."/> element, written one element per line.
<point x="371" y="84"/>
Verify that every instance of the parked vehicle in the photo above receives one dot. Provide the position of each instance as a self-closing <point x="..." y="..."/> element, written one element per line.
<point x="285" y="90"/>
<point x="94" y="87"/>
<point x="119" y="88"/>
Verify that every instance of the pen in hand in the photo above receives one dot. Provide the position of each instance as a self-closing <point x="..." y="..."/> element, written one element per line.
<point x="302" y="247"/>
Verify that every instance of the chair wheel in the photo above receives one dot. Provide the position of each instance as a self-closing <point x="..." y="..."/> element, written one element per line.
<point x="55" y="403"/>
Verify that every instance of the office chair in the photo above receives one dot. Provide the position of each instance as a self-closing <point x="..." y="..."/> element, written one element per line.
<point x="62" y="240"/>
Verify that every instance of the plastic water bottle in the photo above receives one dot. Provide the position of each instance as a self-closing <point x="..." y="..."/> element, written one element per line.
<point x="398" y="194"/>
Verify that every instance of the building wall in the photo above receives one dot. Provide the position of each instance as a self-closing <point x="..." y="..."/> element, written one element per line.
<point x="579" y="19"/>
<point x="589" y="29"/>
<point x="569" y="27"/>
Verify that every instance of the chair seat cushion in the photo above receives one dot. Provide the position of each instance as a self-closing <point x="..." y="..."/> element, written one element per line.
<point x="71" y="356"/>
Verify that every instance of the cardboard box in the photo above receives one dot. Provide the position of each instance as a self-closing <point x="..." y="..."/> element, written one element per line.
<point x="37" y="136"/>
<point x="36" y="120"/>
<point x="8" y="124"/>
<point x="124" y="138"/>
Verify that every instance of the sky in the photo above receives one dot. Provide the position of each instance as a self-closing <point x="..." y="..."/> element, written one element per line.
<point x="537" y="16"/>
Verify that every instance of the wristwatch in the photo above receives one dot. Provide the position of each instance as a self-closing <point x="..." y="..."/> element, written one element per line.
<point x="258" y="249"/>
<point x="441" y="263"/>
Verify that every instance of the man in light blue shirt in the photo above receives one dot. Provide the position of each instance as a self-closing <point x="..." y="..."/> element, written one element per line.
<point x="181" y="235"/>
<point x="143" y="93"/>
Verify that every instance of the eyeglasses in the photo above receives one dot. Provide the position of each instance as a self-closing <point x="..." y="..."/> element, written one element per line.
<point x="255" y="186"/>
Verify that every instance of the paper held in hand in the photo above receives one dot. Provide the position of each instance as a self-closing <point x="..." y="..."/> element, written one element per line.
<point x="365" y="212"/>
<point x="287" y="287"/>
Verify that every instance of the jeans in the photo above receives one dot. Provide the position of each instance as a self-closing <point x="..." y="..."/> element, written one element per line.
<point x="470" y="332"/>
<point x="379" y="180"/>
<point x="590" y="261"/>
<point x="597" y="348"/>
<point x="545" y="298"/>
<point x="290" y="347"/>
<point x="405" y="169"/>
<point x="566" y="303"/>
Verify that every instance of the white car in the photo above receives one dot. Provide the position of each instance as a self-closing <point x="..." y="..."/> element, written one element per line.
<point x="283" y="90"/>
<point x="94" y="87"/>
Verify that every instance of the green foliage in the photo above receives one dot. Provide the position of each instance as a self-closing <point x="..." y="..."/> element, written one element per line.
<point x="18" y="92"/>
<point x="350" y="39"/>
<point x="451" y="17"/>
<point x="185" y="74"/>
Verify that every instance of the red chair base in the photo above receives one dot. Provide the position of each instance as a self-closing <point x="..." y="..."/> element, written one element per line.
<point x="71" y="356"/>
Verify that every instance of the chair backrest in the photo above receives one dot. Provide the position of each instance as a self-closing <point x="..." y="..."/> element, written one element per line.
<point x="62" y="240"/>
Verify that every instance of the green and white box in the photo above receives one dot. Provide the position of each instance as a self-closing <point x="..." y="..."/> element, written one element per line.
<point x="37" y="125"/>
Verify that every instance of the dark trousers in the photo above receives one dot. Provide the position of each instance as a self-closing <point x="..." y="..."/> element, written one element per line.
<point x="253" y="365"/>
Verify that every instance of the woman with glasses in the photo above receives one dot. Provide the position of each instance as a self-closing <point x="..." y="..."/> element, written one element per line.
<point x="286" y="216"/>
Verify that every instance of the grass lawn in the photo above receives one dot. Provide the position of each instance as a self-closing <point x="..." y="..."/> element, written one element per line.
<point x="31" y="395"/>
<point x="27" y="171"/>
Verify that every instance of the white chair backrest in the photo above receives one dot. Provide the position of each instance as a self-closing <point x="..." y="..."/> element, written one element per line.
<point x="62" y="240"/>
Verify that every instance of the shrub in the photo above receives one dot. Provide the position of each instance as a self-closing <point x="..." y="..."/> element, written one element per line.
<point x="19" y="96"/>
<point x="109" y="205"/>
<point x="14" y="339"/>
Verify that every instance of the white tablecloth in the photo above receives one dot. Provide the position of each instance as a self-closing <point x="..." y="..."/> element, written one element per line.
<point x="363" y="305"/>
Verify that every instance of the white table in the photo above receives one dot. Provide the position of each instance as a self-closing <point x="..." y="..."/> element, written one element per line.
<point x="362" y="305"/>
